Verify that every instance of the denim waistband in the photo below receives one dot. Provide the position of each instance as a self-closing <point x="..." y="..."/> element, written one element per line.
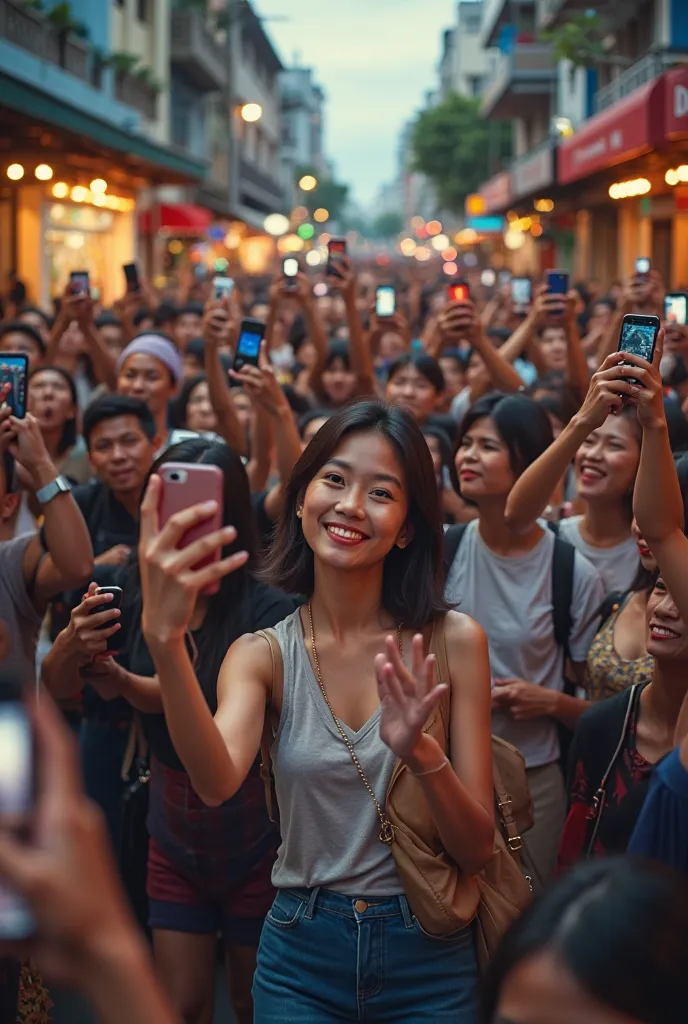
<point x="354" y="907"/>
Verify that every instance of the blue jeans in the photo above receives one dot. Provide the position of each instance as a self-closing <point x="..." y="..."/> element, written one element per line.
<point x="325" y="957"/>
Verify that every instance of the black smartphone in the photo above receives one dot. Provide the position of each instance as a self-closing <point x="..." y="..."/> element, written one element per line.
<point x="642" y="266"/>
<point x="521" y="291"/>
<point x="79" y="282"/>
<point x="385" y="300"/>
<point x="557" y="282"/>
<point x="248" y="346"/>
<point x="17" y="779"/>
<point x="676" y="307"/>
<point x="114" y="640"/>
<point x="14" y="370"/>
<point x="638" y="337"/>
<point x="290" y="268"/>
<point x="336" y="248"/>
<point x="131" y="276"/>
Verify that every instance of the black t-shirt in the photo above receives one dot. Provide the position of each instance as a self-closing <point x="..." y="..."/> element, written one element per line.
<point x="264" y="607"/>
<point x="264" y="523"/>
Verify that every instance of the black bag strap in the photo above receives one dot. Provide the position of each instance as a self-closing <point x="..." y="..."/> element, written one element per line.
<point x="452" y="542"/>
<point x="563" y="562"/>
<point x="599" y="800"/>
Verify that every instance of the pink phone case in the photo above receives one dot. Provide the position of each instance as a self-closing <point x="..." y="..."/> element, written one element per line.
<point x="183" y="485"/>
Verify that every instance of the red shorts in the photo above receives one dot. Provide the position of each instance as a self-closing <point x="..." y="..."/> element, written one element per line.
<point x="178" y="905"/>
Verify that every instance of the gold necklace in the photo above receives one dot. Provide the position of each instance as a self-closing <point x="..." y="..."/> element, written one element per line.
<point x="386" y="834"/>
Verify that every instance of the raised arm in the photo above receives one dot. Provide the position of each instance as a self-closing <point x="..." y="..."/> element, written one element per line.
<point x="216" y="332"/>
<point x="579" y="374"/>
<point x="359" y="351"/>
<point x="532" y="491"/>
<point x="216" y="752"/>
<point x="104" y="362"/>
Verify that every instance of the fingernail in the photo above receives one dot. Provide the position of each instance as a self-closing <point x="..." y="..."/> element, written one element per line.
<point x="229" y="531"/>
<point x="210" y="506"/>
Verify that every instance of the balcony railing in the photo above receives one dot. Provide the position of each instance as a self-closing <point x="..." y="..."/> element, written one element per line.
<point x="31" y="31"/>
<point x="528" y="69"/>
<point x="649" y="67"/>
<point x="196" y="52"/>
<point x="138" y="94"/>
<point x="252" y="176"/>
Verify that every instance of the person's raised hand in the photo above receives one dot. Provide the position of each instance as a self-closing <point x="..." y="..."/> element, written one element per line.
<point x="116" y="555"/>
<point x="27" y="446"/>
<point x="648" y="395"/>
<point x="459" y="321"/>
<point x="260" y="382"/>
<point x="522" y="701"/>
<point x="170" y="583"/>
<point x="83" y="635"/>
<point x="66" y="871"/>
<point x="344" y="280"/>
<point x="407" y="696"/>
<point x="610" y="387"/>
<point x="217" y="324"/>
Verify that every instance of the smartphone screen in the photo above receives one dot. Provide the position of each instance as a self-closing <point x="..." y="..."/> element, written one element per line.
<point x="222" y="287"/>
<point x="675" y="308"/>
<point x="248" y="346"/>
<point x="16" y="796"/>
<point x="521" y="291"/>
<point x="336" y="248"/>
<point x="14" y="369"/>
<point x="642" y="265"/>
<point x="131" y="276"/>
<point x="79" y="282"/>
<point x="385" y="301"/>
<point x="290" y="266"/>
<point x="557" y="282"/>
<point x="458" y="293"/>
<point x="504" y="276"/>
<point x="114" y="640"/>
<point x="638" y="337"/>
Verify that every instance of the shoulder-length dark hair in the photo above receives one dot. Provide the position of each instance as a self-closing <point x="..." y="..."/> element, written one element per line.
<point x="522" y="424"/>
<point x="228" y="614"/>
<point x="69" y="429"/>
<point x="179" y="407"/>
<point x="413" y="580"/>
<point x="619" y="927"/>
<point x="427" y="366"/>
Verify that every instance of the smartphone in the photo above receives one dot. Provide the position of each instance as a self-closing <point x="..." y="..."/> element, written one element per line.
<point x="131" y="276"/>
<point x="248" y="346"/>
<point x="114" y="640"/>
<point x="185" y="484"/>
<point x="675" y="308"/>
<point x="79" y="282"/>
<point x="557" y="282"/>
<point x="222" y="287"/>
<point x="504" y="276"/>
<point x="638" y="337"/>
<point x="458" y="292"/>
<point x="642" y="265"/>
<point x="336" y="248"/>
<point x="14" y="370"/>
<point x="521" y="291"/>
<point x="16" y="795"/>
<point x="290" y="268"/>
<point x="385" y="300"/>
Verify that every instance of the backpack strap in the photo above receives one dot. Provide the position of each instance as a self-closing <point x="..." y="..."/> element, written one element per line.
<point x="452" y="542"/>
<point x="274" y="702"/>
<point x="599" y="800"/>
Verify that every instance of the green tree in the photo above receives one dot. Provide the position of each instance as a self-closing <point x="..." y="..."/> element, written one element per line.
<point x="331" y="195"/>
<point x="580" y="40"/>
<point x="457" y="149"/>
<point x="387" y="225"/>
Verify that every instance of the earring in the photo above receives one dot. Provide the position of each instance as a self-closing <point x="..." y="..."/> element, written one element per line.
<point x="299" y="513"/>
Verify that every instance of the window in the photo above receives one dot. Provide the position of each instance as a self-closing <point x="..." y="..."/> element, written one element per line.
<point x="142" y="10"/>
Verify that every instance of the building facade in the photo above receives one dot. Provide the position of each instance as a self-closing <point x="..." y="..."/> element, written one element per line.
<point x="302" y="107"/>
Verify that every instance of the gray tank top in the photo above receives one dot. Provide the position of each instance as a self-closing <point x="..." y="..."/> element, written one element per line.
<point x="328" y="822"/>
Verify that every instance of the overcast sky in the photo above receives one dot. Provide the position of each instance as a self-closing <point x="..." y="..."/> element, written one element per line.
<point x="375" y="60"/>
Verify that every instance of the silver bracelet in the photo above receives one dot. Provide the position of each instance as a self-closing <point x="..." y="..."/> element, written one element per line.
<point x="431" y="771"/>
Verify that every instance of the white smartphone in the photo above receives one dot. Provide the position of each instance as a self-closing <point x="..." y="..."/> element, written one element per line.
<point x="222" y="287"/>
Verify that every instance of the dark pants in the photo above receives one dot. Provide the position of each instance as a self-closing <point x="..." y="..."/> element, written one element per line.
<point x="103" y="746"/>
<point x="10" y="971"/>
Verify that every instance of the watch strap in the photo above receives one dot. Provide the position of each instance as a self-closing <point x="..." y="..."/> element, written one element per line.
<point x="59" y="485"/>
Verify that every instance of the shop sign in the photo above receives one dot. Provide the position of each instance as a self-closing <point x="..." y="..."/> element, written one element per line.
<point x="625" y="130"/>
<point x="534" y="172"/>
<point x="676" y="114"/>
<point x="497" y="192"/>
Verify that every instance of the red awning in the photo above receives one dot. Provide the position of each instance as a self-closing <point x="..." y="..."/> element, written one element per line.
<point x="184" y="218"/>
<point x="676" y="119"/>
<point x="497" y="192"/>
<point x="629" y="128"/>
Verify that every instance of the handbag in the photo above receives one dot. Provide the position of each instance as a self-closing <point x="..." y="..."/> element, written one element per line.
<point x="442" y="898"/>
<point x="132" y="853"/>
<point x="600" y="799"/>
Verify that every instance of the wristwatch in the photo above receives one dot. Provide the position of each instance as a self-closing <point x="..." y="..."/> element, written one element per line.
<point x="57" y="486"/>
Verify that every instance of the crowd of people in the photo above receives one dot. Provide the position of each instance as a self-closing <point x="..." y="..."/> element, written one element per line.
<point x="438" y="535"/>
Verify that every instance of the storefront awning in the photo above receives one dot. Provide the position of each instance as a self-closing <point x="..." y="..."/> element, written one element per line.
<point x="676" y="116"/>
<point x="144" y="157"/>
<point x="497" y="193"/>
<point x="184" y="218"/>
<point x="631" y="127"/>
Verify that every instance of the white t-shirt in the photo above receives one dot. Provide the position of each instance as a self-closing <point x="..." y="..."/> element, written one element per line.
<point x="617" y="566"/>
<point x="511" y="598"/>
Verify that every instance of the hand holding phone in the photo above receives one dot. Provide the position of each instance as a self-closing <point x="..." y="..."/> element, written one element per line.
<point x="80" y="283"/>
<point x="521" y="292"/>
<point x="458" y="292"/>
<point x="222" y="288"/>
<point x="14" y="371"/>
<point x="248" y="346"/>
<point x="131" y="277"/>
<point x="643" y="266"/>
<point x="336" y="250"/>
<point x="187" y="484"/>
<point x="290" y="270"/>
<point x="638" y="337"/>
<point x="114" y="602"/>
<point x="385" y="301"/>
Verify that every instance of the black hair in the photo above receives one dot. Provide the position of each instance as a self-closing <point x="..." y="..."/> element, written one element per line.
<point x="108" y="319"/>
<point x="196" y="349"/>
<point x="109" y="407"/>
<point x="11" y="483"/>
<point x="445" y="445"/>
<point x="559" y="400"/>
<point x="298" y="404"/>
<point x="309" y="416"/>
<point x="47" y="320"/>
<point x="165" y="314"/>
<point x="195" y="308"/>
<point x="677" y="425"/>
<point x="69" y="430"/>
<point x="456" y="355"/>
<point x="180" y="405"/>
<point x="19" y="327"/>
<point x="619" y="927"/>
<point x="522" y="424"/>
<point x="229" y="611"/>
<point x="143" y="314"/>
<point x="413" y="579"/>
<point x="426" y="365"/>
<point x="338" y="350"/>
